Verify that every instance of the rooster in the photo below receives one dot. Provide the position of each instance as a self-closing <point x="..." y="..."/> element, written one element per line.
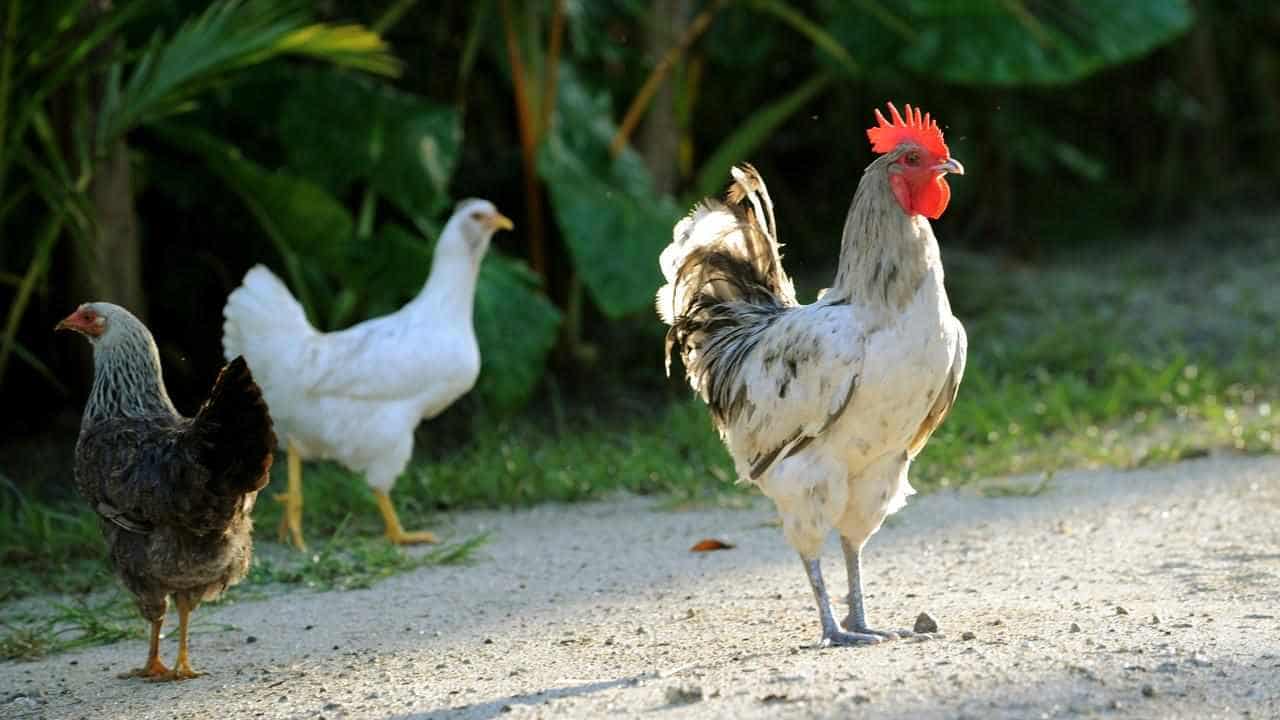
<point x="356" y="396"/>
<point x="173" y="494"/>
<point x="824" y="406"/>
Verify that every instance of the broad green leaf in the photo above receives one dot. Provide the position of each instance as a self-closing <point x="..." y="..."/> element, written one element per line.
<point x="613" y="221"/>
<point x="230" y="35"/>
<point x="302" y="220"/>
<point x="341" y="129"/>
<point x="757" y="128"/>
<point x="1004" y="42"/>
<point x="516" y="327"/>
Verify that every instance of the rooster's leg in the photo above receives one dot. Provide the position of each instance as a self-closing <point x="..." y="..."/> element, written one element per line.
<point x="395" y="532"/>
<point x="856" y="621"/>
<point x="153" y="668"/>
<point x="291" y="519"/>
<point x="831" y="633"/>
<point x="182" y="669"/>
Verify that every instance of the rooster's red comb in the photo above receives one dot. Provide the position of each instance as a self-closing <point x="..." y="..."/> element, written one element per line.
<point x="919" y="129"/>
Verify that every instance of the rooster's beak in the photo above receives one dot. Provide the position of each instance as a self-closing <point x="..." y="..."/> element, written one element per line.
<point x="498" y="221"/>
<point x="950" y="166"/>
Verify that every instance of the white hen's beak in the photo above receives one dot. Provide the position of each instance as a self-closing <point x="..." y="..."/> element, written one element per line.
<point x="498" y="221"/>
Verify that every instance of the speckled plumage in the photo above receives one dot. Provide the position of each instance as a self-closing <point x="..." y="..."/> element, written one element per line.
<point x="174" y="494"/>
<point x="822" y="406"/>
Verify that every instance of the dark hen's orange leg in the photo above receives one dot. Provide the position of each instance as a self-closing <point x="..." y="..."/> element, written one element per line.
<point x="154" y="668"/>
<point x="182" y="669"/>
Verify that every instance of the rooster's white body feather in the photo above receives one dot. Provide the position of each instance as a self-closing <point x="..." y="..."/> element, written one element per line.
<point x="822" y="406"/>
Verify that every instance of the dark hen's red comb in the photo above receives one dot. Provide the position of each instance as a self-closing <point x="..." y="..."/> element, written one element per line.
<point x="920" y="129"/>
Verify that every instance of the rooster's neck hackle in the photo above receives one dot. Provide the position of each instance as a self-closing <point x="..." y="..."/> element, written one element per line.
<point x="885" y="253"/>
<point x="127" y="380"/>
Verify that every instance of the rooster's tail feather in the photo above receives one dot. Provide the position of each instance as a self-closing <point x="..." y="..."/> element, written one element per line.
<point x="725" y="283"/>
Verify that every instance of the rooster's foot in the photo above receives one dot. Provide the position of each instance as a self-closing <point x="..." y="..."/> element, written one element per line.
<point x="841" y="638"/>
<point x="153" y="669"/>
<point x="853" y="627"/>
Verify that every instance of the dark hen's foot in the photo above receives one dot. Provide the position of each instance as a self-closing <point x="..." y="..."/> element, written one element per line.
<point x="179" y="673"/>
<point x="153" y="669"/>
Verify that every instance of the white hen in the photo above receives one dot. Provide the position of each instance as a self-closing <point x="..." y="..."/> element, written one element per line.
<point x="824" y="406"/>
<point x="356" y="395"/>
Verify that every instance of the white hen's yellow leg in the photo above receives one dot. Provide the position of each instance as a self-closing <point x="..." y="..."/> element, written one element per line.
<point x="396" y="533"/>
<point x="291" y="519"/>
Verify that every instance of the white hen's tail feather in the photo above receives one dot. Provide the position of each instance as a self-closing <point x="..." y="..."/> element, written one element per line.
<point x="725" y="286"/>
<point x="264" y="323"/>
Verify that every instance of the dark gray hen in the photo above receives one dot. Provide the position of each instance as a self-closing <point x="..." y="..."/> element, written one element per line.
<point x="174" y="494"/>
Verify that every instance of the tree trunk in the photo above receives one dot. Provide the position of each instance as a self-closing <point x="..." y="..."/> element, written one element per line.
<point x="111" y="265"/>
<point x="659" y="139"/>
<point x="108" y="265"/>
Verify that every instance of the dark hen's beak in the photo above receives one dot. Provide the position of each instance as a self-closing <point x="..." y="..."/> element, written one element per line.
<point x="950" y="166"/>
<point x="83" y="321"/>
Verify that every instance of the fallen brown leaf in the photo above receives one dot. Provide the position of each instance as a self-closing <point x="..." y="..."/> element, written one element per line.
<point x="710" y="544"/>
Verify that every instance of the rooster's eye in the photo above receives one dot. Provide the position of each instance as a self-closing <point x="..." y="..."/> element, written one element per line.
<point x="913" y="158"/>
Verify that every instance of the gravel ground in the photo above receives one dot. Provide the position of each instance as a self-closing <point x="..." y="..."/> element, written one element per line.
<point x="1148" y="594"/>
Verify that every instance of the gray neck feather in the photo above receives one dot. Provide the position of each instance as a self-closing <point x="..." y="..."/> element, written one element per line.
<point x="126" y="375"/>
<point x="884" y="253"/>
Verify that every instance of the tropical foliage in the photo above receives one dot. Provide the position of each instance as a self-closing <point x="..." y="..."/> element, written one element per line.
<point x="330" y="144"/>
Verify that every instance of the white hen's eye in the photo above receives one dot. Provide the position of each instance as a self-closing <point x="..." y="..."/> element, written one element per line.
<point x="477" y="216"/>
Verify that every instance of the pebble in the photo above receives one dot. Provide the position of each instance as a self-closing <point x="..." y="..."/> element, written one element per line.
<point x="1148" y="691"/>
<point x="925" y="623"/>
<point x="966" y="635"/>
<point x="1121" y="611"/>
<point x="683" y="694"/>
<point x="1075" y="628"/>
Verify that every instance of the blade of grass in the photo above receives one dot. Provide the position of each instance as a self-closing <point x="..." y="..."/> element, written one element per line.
<point x="751" y="133"/>
<point x="820" y="38"/>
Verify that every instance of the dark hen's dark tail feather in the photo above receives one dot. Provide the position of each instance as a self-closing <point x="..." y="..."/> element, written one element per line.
<point x="725" y="286"/>
<point x="235" y="429"/>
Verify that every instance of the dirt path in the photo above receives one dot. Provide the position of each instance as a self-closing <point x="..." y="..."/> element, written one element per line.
<point x="1145" y="594"/>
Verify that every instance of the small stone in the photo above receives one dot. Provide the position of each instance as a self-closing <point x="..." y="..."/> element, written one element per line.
<point x="1075" y="628"/>
<point x="250" y="640"/>
<point x="925" y="623"/>
<point x="309" y="627"/>
<point x="966" y="635"/>
<point x="1148" y="691"/>
<point x="683" y="694"/>
<point x="860" y="699"/>
<point x="488" y="641"/>
<point x="1121" y="611"/>
<point x="331" y="706"/>
<point x="1155" y="619"/>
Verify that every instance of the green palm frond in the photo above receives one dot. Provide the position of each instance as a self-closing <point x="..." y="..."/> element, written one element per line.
<point x="230" y="35"/>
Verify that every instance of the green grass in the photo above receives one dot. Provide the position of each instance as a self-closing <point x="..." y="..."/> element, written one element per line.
<point x="1148" y="355"/>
